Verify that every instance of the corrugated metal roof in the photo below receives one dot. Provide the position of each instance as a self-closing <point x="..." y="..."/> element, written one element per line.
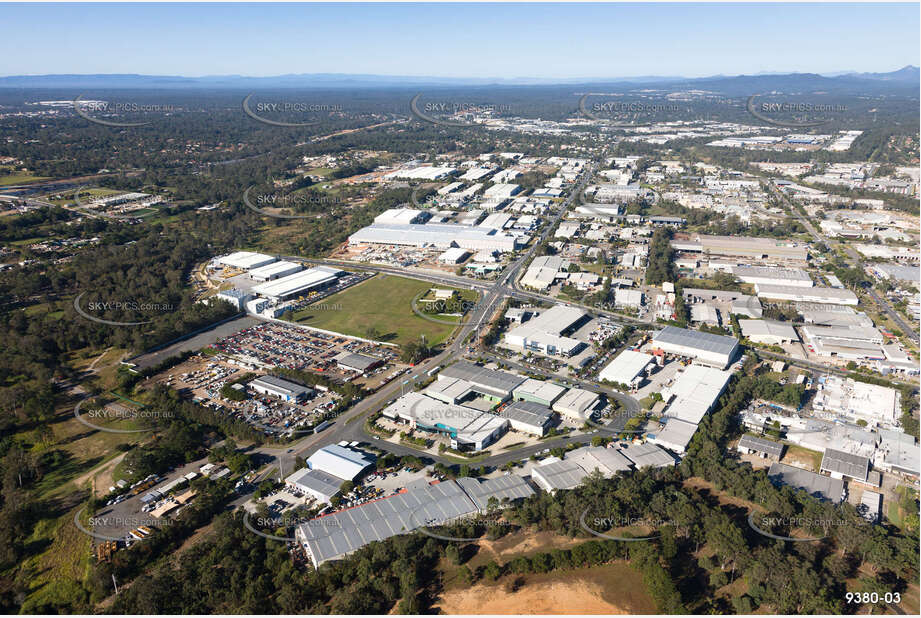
<point x="841" y="462"/>
<point x="696" y="339"/>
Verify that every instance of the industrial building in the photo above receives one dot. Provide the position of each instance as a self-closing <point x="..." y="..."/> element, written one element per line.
<point x="454" y="255"/>
<point x="502" y="490"/>
<point x="765" y="275"/>
<point x="628" y="298"/>
<point x="647" y="455"/>
<point x="716" y="350"/>
<point x="579" y="463"/>
<point x="281" y="388"/>
<point x="351" y="361"/>
<point x="336" y="535"/>
<point x="528" y="417"/>
<point x="343" y="462"/>
<point x="629" y="367"/>
<point x="832" y="296"/>
<point x="694" y="392"/>
<point x="544" y="333"/>
<point x="467" y="428"/>
<point x="402" y="216"/>
<point x="676" y="435"/>
<point x="578" y="404"/>
<point x="840" y="464"/>
<point x="768" y="332"/>
<point x="318" y="484"/>
<point x="854" y="401"/>
<point x="752" y="248"/>
<point x="275" y="270"/>
<point x="235" y="297"/>
<point x="871" y="506"/>
<point x="538" y="391"/>
<point x="817" y="485"/>
<point x="848" y="343"/>
<point x="491" y="383"/>
<point x="898" y="453"/>
<point x="298" y="283"/>
<point x="753" y="445"/>
<point x="246" y="260"/>
<point x="438" y="235"/>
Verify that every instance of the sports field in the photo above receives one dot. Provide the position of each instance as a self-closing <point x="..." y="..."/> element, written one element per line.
<point x="382" y="304"/>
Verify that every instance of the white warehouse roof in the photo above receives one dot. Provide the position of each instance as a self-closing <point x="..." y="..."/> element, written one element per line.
<point x="344" y="463"/>
<point x="245" y="260"/>
<point x="294" y="284"/>
<point x="625" y="367"/>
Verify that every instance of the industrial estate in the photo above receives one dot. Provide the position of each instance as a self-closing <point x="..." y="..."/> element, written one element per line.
<point x="384" y="360"/>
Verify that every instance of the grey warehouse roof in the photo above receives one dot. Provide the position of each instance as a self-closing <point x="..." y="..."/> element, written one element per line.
<point x="511" y="487"/>
<point x="317" y="480"/>
<point x="491" y="380"/>
<point x="696" y="339"/>
<point x="280" y="384"/>
<point x="854" y="466"/>
<point x="338" y="534"/>
<point x="815" y="484"/>
<point x="527" y="412"/>
<point x="761" y="445"/>
<point x="560" y="474"/>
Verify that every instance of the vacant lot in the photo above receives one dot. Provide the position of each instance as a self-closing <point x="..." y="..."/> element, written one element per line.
<point x="610" y="589"/>
<point x="382" y="304"/>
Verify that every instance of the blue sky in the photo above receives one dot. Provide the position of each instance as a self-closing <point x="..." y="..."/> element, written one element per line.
<point x="457" y="40"/>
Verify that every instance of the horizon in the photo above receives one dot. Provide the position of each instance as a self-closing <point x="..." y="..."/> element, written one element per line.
<point x="511" y="42"/>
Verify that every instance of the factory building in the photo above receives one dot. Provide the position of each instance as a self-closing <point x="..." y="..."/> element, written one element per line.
<point x="647" y="455"/>
<point x="275" y="270"/>
<point x="832" y="296"/>
<point x="321" y="486"/>
<point x="578" y="404"/>
<point x="858" y="401"/>
<point x="298" y="283"/>
<point x="716" y="350"/>
<point x="817" y="485"/>
<point x="544" y="333"/>
<point x="468" y="429"/>
<point x="438" y="235"/>
<point x="768" y="332"/>
<point x="345" y="463"/>
<point x="281" y="388"/>
<point x="753" y="445"/>
<point x="629" y="367"/>
<point x="694" y="393"/>
<point x="528" y="417"/>
<point x="235" y="297"/>
<point x="764" y="275"/>
<point x="491" y="383"/>
<point x="401" y="216"/>
<point x="360" y="363"/>
<point x="246" y="260"/>
<point x="676" y="435"/>
<point x="538" y="391"/>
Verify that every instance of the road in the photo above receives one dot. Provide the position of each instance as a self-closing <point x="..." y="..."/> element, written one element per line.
<point x="856" y="262"/>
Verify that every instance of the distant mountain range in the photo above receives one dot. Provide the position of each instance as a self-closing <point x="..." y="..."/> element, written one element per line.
<point x="905" y="78"/>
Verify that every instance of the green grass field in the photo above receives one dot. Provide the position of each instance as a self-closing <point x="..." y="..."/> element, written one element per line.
<point x="384" y="303"/>
<point x="9" y="176"/>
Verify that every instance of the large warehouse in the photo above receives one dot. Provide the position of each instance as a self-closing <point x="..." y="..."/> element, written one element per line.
<point x="281" y="388"/>
<point x="831" y="296"/>
<point x="345" y="463"/>
<point x="297" y="283"/>
<point x="578" y="404"/>
<point x="492" y="383"/>
<point x="468" y="429"/>
<point x="629" y="367"/>
<point x="439" y="235"/>
<point x="765" y="275"/>
<point x="246" y="260"/>
<point x="694" y="392"/>
<point x="768" y="332"/>
<point x="544" y="333"/>
<point x="716" y="350"/>
<point x="275" y="270"/>
<point x="539" y="391"/>
<point x="528" y="417"/>
<point x="318" y="484"/>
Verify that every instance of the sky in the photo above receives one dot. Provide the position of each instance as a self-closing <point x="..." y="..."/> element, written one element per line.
<point x="457" y="40"/>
